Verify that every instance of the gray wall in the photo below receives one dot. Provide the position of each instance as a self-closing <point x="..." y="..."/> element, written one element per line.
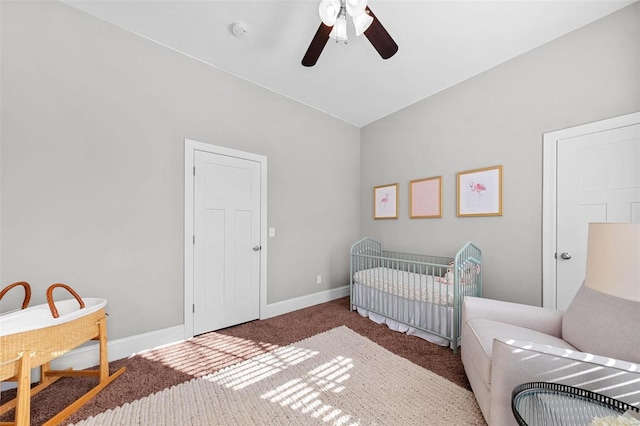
<point x="93" y="126"/>
<point x="93" y="121"/>
<point x="495" y="118"/>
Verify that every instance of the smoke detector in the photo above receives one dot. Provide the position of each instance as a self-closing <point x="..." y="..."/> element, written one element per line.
<point x="238" y="29"/>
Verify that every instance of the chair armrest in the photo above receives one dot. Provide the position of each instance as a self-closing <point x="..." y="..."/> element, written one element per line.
<point x="517" y="362"/>
<point x="543" y="320"/>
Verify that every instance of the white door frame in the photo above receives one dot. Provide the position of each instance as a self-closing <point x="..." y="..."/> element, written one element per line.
<point x="549" y="182"/>
<point x="190" y="147"/>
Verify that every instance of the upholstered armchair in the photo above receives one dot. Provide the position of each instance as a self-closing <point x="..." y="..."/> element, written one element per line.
<point x="593" y="345"/>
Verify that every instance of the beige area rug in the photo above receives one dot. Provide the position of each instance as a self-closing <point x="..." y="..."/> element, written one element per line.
<point x="334" y="378"/>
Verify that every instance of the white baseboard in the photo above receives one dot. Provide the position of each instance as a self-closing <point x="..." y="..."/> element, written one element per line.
<point x="89" y="355"/>
<point x="286" y="306"/>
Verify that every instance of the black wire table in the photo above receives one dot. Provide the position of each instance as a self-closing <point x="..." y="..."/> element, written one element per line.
<point x="547" y="404"/>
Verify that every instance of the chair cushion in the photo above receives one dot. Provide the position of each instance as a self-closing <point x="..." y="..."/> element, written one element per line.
<point x="601" y="324"/>
<point x="484" y="331"/>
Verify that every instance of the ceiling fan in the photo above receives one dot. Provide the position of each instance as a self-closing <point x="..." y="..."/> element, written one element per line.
<point x="333" y="14"/>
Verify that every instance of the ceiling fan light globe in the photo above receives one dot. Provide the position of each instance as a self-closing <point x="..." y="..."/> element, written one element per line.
<point x="356" y="7"/>
<point x="362" y="22"/>
<point x="328" y="11"/>
<point x="339" y="30"/>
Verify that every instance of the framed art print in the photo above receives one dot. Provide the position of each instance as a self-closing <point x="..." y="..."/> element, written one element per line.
<point x="480" y="192"/>
<point x="385" y="201"/>
<point x="425" y="198"/>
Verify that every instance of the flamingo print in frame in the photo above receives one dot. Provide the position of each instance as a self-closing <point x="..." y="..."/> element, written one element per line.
<point x="480" y="192"/>
<point x="385" y="201"/>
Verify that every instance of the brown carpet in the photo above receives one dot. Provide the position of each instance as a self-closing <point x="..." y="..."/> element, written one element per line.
<point x="157" y="370"/>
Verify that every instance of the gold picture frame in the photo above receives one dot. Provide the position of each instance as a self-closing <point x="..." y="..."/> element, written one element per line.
<point x="480" y="192"/>
<point x="425" y="198"/>
<point x="385" y="201"/>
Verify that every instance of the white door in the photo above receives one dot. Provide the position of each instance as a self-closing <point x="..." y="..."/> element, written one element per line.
<point x="597" y="180"/>
<point x="226" y="273"/>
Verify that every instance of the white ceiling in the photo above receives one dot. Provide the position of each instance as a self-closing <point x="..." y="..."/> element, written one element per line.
<point x="441" y="43"/>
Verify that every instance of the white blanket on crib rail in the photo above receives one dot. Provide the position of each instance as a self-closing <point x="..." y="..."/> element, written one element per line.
<point x="406" y="284"/>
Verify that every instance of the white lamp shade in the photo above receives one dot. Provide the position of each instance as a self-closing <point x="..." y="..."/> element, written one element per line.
<point x="356" y="7"/>
<point x="613" y="259"/>
<point x="329" y="10"/>
<point x="362" y="22"/>
<point x="339" y="30"/>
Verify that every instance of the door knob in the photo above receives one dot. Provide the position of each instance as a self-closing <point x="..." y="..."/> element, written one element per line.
<point x="257" y="248"/>
<point x="565" y="255"/>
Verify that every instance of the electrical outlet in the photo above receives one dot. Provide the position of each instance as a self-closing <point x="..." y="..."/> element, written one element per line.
<point x="319" y="279"/>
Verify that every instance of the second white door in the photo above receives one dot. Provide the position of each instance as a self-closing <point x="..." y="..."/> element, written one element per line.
<point x="598" y="180"/>
<point x="226" y="241"/>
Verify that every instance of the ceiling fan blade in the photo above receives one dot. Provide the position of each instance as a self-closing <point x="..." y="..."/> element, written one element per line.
<point x="380" y="38"/>
<point x="317" y="44"/>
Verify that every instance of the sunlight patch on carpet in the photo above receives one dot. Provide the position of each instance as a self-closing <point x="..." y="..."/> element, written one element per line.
<point x="210" y="352"/>
<point x="260" y="367"/>
<point x="304" y="393"/>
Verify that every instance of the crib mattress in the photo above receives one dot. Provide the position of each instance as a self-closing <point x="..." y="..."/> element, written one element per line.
<point x="409" y="285"/>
